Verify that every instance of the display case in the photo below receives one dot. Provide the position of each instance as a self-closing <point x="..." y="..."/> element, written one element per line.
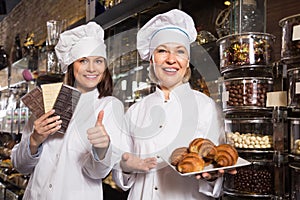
<point x="255" y="180"/>
<point x="290" y="44"/>
<point x="246" y="94"/>
<point x="294" y="132"/>
<point x="294" y="88"/>
<point x="295" y="180"/>
<point x="13" y="114"/>
<point x="248" y="16"/>
<point x="246" y="50"/>
<point x="250" y="134"/>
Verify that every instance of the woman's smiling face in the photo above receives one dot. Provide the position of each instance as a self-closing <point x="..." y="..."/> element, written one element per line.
<point x="170" y="62"/>
<point x="88" y="72"/>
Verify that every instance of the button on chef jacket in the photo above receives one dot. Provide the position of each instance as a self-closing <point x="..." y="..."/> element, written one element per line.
<point x="65" y="167"/>
<point x="156" y="127"/>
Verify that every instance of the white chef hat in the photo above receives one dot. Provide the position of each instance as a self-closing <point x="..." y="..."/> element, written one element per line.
<point x="85" y="40"/>
<point x="173" y="26"/>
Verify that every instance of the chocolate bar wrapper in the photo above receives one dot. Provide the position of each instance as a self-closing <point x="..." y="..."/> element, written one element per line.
<point x="34" y="101"/>
<point x="65" y="105"/>
<point x="50" y="93"/>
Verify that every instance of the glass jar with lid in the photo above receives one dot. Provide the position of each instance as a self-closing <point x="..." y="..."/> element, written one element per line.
<point x="246" y="93"/>
<point x="293" y="76"/>
<point x="244" y="133"/>
<point x="246" y="50"/>
<point x="256" y="180"/>
<point x="294" y="132"/>
<point x="248" y="16"/>
<point x="295" y="180"/>
<point x="290" y="44"/>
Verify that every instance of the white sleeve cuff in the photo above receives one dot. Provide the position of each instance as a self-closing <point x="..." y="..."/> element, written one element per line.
<point x="107" y="158"/>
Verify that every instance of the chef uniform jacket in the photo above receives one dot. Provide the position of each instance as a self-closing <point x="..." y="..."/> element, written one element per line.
<point x="65" y="167"/>
<point x="156" y="127"/>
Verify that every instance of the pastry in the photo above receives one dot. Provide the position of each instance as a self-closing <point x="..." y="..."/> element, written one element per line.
<point x="191" y="162"/>
<point x="226" y="155"/>
<point x="204" y="147"/>
<point x="178" y="154"/>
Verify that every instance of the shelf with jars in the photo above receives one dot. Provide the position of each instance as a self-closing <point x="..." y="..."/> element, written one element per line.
<point x="246" y="50"/>
<point x="283" y="99"/>
<point x="255" y="114"/>
<point x="250" y="134"/>
<point x="290" y="56"/>
<point x="14" y="114"/>
<point x="13" y="117"/>
<point x="19" y="78"/>
<point x="255" y="180"/>
<point x="290" y="44"/>
<point x="295" y="177"/>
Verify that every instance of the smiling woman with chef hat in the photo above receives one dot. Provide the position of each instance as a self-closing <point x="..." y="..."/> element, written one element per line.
<point x="169" y="118"/>
<point x="71" y="166"/>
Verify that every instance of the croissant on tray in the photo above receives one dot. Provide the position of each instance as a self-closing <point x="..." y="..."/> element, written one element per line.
<point x="201" y="153"/>
<point x="178" y="154"/>
<point x="204" y="147"/>
<point x="226" y="155"/>
<point x="191" y="162"/>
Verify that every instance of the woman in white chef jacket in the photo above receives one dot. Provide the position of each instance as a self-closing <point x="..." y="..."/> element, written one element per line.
<point x="71" y="166"/>
<point x="168" y="118"/>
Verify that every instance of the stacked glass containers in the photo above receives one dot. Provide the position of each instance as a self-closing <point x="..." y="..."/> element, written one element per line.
<point x="247" y="16"/>
<point x="54" y="28"/>
<point x="246" y="65"/>
<point x="290" y="56"/>
<point x="53" y="71"/>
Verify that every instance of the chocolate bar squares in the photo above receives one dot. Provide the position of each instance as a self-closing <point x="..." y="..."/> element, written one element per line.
<point x="34" y="101"/>
<point x="65" y="105"/>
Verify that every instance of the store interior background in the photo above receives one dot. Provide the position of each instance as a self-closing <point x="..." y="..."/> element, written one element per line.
<point x="26" y="17"/>
<point x="30" y="16"/>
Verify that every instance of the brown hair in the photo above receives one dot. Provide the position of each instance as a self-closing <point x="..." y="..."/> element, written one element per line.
<point x="105" y="86"/>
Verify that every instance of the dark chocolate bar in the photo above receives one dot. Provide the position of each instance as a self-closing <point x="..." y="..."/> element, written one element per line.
<point x="34" y="101"/>
<point x="65" y="105"/>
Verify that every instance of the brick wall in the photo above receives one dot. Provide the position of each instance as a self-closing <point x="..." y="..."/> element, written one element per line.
<point x="30" y="16"/>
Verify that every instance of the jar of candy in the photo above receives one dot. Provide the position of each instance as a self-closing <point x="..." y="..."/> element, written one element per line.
<point x="294" y="132"/>
<point x="295" y="180"/>
<point x="256" y="180"/>
<point x="246" y="93"/>
<point x="245" y="133"/>
<point x="290" y="44"/>
<point x="248" y="16"/>
<point x="246" y="50"/>
<point x="294" y="88"/>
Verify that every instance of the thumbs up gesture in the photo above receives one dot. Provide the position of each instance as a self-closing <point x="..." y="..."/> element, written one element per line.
<point x="98" y="136"/>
